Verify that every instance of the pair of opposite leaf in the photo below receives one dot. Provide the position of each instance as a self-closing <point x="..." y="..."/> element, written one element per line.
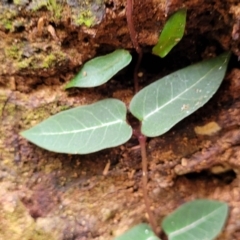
<point x="158" y="107"/>
<point x="198" y="220"/>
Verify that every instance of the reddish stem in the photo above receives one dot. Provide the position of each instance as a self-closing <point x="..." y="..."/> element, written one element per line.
<point x="135" y="76"/>
<point x="133" y="36"/>
<point x="141" y="137"/>
<point x="142" y="141"/>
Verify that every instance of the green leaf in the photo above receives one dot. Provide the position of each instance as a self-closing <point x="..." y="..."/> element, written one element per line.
<point x="171" y="34"/>
<point x="139" y="232"/>
<point x="101" y="69"/>
<point x="84" y="129"/>
<point x="167" y="101"/>
<point x="197" y="220"/>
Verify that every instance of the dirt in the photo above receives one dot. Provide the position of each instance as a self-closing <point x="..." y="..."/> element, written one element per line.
<point x="46" y="195"/>
<point x="43" y="41"/>
<point x="59" y="196"/>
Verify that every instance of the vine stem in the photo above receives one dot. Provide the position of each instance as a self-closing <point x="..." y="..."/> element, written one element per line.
<point x="142" y="141"/>
<point x="141" y="138"/>
<point x="133" y="36"/>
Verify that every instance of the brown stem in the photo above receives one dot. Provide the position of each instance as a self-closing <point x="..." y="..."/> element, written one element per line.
<point x="141" y="138"/>
<point x="152" y="220"/>
<point x="133" y="36"/>
<point x="135" y="76"/>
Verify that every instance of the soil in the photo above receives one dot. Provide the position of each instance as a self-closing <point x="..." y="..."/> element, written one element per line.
<point x="46" y="195"/>
<point x="62" y="196"/>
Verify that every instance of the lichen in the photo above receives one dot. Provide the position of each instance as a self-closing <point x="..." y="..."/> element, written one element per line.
<point x="31" y="117"/>
<point x="16" y="223"/>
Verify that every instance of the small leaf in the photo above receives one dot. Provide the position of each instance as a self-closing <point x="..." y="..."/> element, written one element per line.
<point x="140" y="232"/>
<point x="84" y="129"/>
<point x="167" y="101"/>
<point x="171" y="34"/>
<point x="101" y="69"/>
<point x="197" y="220"/>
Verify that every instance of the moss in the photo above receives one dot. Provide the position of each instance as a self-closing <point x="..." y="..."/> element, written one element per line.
<point x="6" y="18"/>
<point x="25" y="63"/>
<point x="49" y="61"/>
<point x="37" y="4"/>
<point x="12" y="52"/>
<point x="7" y="24"/>
<point x="20" y="2"/>
<point x="15" y="56"/>
<point x="84" y="18"/>
<point x="64" y="107"/>
<point x="31" y="117"/>
<point x="40" y="61"/>
<point x="87" y="12"/>
<point x="53" y="59"/>
<point x="52" y="5"/>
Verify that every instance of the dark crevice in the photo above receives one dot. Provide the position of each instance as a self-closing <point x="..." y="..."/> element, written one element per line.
<point x="109" y="5"/>
<point x="224" y="177"/>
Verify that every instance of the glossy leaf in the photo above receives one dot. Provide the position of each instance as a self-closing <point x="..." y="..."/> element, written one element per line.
<point x="197" y="220"/>
<point x="101" y="69"/>
<point x="84" y="129"/>
<point x="139" y="232"/>
<point x="167" y="101"/>
<point x="171" y="34"/>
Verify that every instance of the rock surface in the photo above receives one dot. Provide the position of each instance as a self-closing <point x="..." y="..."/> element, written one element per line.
<point x="47" y="195"/>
